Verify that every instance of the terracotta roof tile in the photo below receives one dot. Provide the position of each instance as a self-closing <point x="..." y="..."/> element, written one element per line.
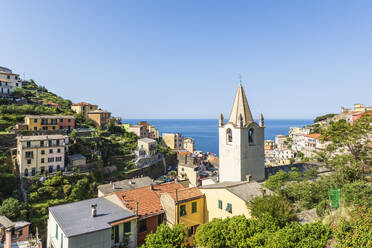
<point x="82" y="104"/>
<point x="186" y="194"/>
<point x="148" y="199"/>
<point x="314" y="135"/>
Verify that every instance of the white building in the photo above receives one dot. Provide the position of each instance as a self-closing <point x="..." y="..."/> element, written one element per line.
<point x="93" y="223"/>
<point x="284" y="153"/>
<point x="241" y="143"/>
<point x="8" y="81"/>
<point x="280" y="140"/>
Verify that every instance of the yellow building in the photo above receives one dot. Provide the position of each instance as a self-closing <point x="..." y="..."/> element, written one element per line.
<point x="229" y="199"/>
<point x="99" y="117"/>
<point x="41" y="153"/>
<point x="83" y="107"/>
<point x="49" y="122"/>
<point x="173" y="140"/>
<point x="184" y="206"/>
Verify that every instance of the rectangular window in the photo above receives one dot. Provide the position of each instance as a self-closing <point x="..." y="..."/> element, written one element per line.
<point x="219" y="204"/>
<point x="160" y="219"/>
<point x="182" y="210"/>
<point x="56" y="231"/>
<point x="69" y="120"/>
<point x="61" y="120"/>
<point x="190" y="231"/>
<point x="42" y="160"/>
<point x="50" y="169"/>
<point x="28" y="143"/>
<point x="116" y="228"/>
<point x="58" y="159"/>
<point x="50" y="160"/>
<point x="28" y="161"/>
<point x="143" y="226"/>
<point x="35" y="120"/>
<point x="33" y="172"/>
<point x="50" y="150"/>
<point x="127" y="227"/>
<point x="59" y="150"/>
<point x="42" y="152"/>
<point x="41" y="143"/>
<point x="57" y="142"/>
<point x="193" y="207"/>
<point x="35" y="128"/>
<point x="229" y="208"/>
<point x="49" y="142"/>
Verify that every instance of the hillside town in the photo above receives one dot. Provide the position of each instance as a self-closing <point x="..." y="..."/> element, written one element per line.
<point x="73" y="175"/>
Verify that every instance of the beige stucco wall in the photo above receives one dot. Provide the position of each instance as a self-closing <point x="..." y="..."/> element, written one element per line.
<point x="188" y="145"/>
<point x="212" y="210"/>
<point x="186" y="172"/>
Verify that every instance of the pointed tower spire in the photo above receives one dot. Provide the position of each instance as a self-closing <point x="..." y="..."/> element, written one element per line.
<point x="240" y="112"/>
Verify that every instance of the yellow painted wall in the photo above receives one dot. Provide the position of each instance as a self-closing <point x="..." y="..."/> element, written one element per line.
<point x="212" y="209"/>
<point x="192" y="219"/>
<point x="169" y="140"/>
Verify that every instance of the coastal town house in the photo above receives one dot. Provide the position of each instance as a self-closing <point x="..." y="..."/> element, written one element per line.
<point x="93" y="223"/>
<point x="153" y="133"/>
<point x="14" y="234"/>
<point x="188" y="169"/>
<point x="8" y="82"/>
<point x="139" y="130"/>
<point x="145" y="203"/>
<point x="49" y="122"/>
<point x="189" y="144"/>
<point x="42" y="153"/>
<point x="123" y="185"/>
<point x="173" y="140"/>
<point x="184" y="206"/>
<point x="229" y="199"/>
<point x="147" y="147"/>
<point x="241" y="143"/>
<point x="99" y="117"/>
<point x="83" y="107"/>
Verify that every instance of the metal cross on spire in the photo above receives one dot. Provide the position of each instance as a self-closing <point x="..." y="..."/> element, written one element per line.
<point x="240" y="78"/>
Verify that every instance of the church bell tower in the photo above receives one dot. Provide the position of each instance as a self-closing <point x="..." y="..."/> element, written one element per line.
<point x="241" y="143"/>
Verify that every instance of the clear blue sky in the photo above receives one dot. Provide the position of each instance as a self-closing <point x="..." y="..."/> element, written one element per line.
<point x="181" y="59"/>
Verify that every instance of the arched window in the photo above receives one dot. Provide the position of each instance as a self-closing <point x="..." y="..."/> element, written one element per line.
<point x="228" y="135"/>
<point x="26" y="172"/>
<point x="250" y="136"/>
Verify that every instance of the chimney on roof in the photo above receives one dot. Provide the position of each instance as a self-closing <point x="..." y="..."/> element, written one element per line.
<point x="249" y="177"/>
<point x="176" y="195"/>
<point x="151" y="187"/>
<point x="94" y="210"/>
<point x="113" y="186"/>
<point x="136" y="208"/>
<point x="176" y="180"/>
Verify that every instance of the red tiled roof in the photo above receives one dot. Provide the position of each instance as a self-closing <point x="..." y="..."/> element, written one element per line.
<point x="186" y="194"/>
<point x="148" y="199"/>
<point x="81" y="104"/>
<point x="53" y="104"/>
<point x="314" y="135"/>
<point x="184" y="153"/>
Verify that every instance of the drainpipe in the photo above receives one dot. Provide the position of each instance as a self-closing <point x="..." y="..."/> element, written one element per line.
<point x="177" y="210"/>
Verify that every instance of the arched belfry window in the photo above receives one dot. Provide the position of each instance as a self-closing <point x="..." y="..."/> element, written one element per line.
<point x="250" y="136"/>
<point x="228" y="135"/>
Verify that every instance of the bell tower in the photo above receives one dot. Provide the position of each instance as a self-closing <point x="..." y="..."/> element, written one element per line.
<point x="241" y="143"/>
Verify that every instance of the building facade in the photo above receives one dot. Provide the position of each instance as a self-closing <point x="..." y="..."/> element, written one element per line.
<point x="241" y="143"/>
<point x="147" y="146"/>
<point x="83" y="107"/>
<point x="49" y="122"/>
<point x="139" y="130"/>
<point x="189" y="144"/>
<point x="8" y="81"/>
<point x="230" y="199"/>
<point x="94" y="223"/>
<point x="39" y="154"/>
<point x="173" y="140"/>
<point x="99" y="117"/>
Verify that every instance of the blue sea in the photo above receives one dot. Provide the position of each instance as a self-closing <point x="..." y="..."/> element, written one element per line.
<point x="205" y="131"/>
